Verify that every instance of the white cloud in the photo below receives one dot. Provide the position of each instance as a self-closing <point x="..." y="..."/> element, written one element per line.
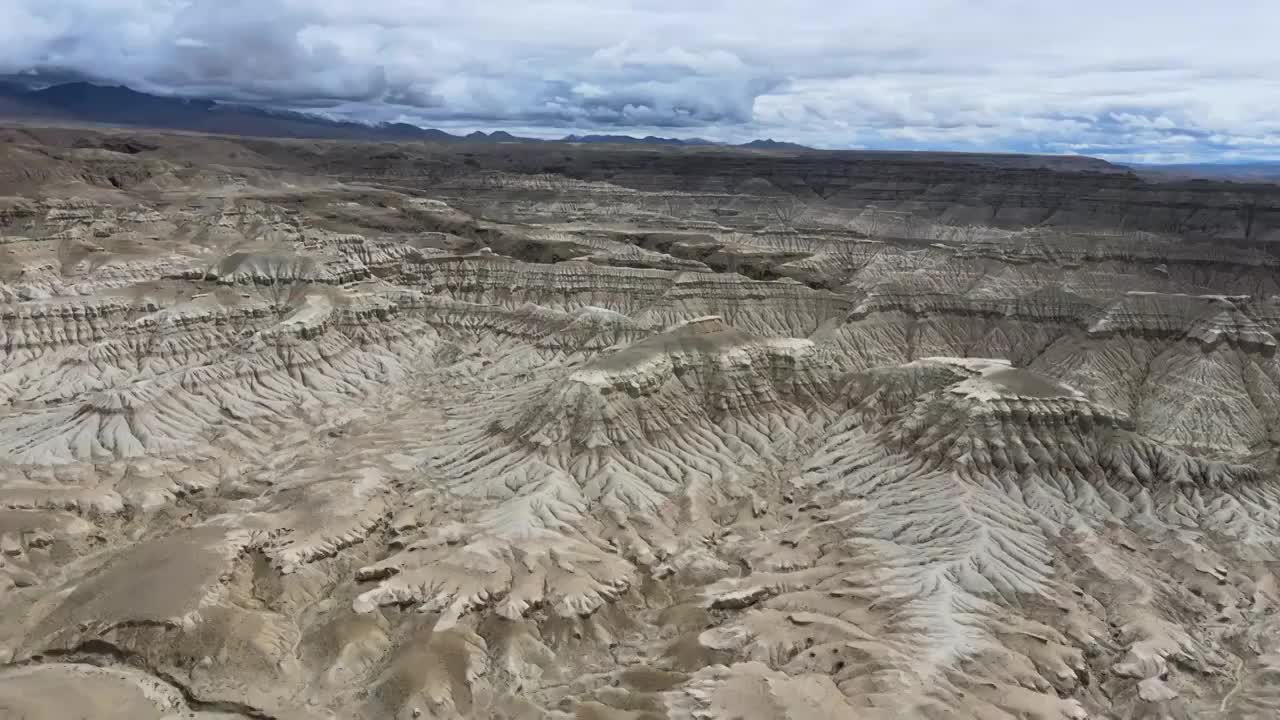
<point x="1122" y="79"/>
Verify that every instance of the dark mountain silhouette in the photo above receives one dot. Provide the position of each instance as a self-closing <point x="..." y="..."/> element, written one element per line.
<point x="119" y="105"/>
<point x="771" y="144"/>
<point x="85" y="102"/>
<point x="496" y="136"/>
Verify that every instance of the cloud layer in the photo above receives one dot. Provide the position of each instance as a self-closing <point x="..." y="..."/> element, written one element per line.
<point x="1153" y="80"/>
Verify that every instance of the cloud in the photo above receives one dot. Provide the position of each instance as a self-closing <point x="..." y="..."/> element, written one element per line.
<point x="1138" y="79"/>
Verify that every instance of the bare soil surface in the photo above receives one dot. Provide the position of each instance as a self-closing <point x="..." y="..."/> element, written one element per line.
<point x="327" y="430"/>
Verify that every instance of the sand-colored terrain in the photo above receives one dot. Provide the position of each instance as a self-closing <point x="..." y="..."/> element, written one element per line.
<point x="309" y="430"/>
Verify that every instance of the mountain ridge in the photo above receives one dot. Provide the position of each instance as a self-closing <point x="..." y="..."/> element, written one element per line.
<point x="82" y="101"/>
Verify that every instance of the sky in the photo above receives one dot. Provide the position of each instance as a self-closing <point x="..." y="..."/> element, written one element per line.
<point x="1159" y="81"/>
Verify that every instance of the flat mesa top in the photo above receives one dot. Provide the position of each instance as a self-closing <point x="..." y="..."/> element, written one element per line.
<point x="1029" y="384"/>
<point x="997" y="379"/>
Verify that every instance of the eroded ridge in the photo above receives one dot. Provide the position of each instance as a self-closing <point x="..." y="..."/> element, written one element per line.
<point x="621" y="462"/>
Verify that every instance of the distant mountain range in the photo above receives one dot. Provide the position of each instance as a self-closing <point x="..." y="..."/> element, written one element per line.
<point x="1246" y="172"/>
<point x="84" y="102"/>
<point x="629" y="140"/>
<point x="689" y="142"/>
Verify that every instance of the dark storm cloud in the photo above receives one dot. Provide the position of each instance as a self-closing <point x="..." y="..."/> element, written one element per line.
<point x="1169" y="80"/>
